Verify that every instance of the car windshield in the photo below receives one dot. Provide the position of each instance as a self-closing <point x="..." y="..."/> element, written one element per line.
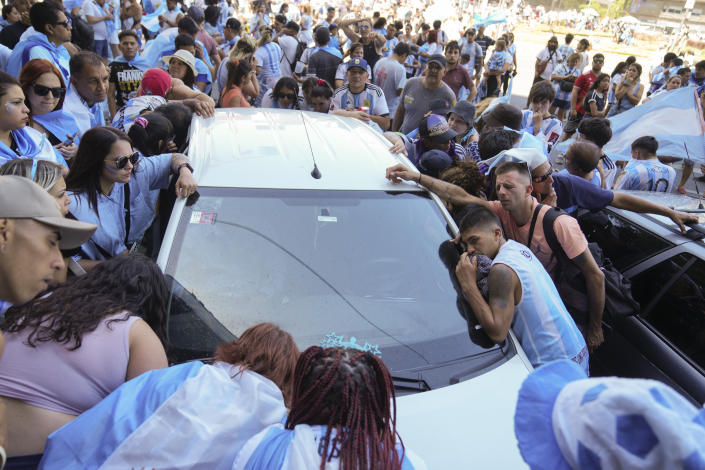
<point x="362" y="264"/>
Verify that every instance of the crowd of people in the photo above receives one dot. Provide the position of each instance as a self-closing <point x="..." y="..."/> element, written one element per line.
<point x="96" y="99"/>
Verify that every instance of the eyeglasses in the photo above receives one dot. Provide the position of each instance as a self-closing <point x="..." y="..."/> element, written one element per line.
<point x="544" y="177"/>
<point x="121" y="162"/>
<point x="41" y="90"/>
<point x="364" y="26"/>
<point x="289" y="96"/>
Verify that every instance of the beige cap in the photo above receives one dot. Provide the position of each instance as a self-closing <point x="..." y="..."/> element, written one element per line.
<point x="184" y="56"/>
<point x="22" y="198"/>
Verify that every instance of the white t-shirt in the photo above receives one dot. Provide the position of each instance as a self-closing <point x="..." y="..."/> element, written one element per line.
<point x="288" y="45"/>
<point x="100" y="30"/>
<point x="552" y="58"/>
<point x="390" y="76"/>
<point x="372" y="97"/>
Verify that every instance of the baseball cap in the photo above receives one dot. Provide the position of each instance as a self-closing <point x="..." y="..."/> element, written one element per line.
<point x="439" y="106"/>
<point x="155" y="82"/>
<point x="433" y="162"/>
<point x="503" y="114"/>
<point x="435" y="128"/>
<point x="357" y="62"/>
<point x="566" y="421"/>
<point x="196" y="14"/>
<point x="465" y="110"/>
<point x="438" y="59"/>
<point x="22" y="198"/>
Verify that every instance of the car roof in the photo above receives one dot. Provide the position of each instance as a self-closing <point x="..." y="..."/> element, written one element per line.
<point x="275" y="148"/>
<point x="661" y="225"/>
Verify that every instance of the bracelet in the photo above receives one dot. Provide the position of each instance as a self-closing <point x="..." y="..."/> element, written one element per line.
<point x="183" y="164"/>
<point x="418" y="180"/>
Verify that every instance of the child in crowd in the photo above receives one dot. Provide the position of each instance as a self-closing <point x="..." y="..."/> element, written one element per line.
<point x="537" y="120"/>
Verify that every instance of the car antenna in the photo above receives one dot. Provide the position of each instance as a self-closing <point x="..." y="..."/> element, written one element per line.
<point x="697" y="191"/>
<point x="316" y="173"/>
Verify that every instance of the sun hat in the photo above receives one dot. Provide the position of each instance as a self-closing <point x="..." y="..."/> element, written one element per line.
<point x="22" y="198"/>
<point x="184" y="56"/>
<point x="465" y="110"/>
<point x="565" y="421"/>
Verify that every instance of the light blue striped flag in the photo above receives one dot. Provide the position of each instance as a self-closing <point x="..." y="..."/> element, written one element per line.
<point x="674" y="118"/>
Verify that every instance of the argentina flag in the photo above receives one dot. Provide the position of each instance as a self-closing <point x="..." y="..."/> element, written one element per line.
<point x="674" y="118"/>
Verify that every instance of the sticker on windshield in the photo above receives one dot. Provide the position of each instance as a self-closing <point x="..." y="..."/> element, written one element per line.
<point x="200" y="217"/>
<point x="327" y="218"/>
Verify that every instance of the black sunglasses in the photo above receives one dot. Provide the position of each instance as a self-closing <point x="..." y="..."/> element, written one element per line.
<point x="121" y="162"/>
<point x="41" y="90"/>
<point x="290" y="96"/>
<point x="65" y="24"/>
<point x="544" y="177"/>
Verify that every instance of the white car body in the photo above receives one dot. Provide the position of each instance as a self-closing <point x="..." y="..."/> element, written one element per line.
<point x="465" y="425"/>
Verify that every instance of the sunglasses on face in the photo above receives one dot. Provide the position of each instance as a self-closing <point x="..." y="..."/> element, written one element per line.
<point x="121" y="162"/>
<point x="544" y="177"/>
<point x="41" y="90"/>
<point x="66" y="24"/>
<point x="364" y="26"/>
<point x="289" y="96"/>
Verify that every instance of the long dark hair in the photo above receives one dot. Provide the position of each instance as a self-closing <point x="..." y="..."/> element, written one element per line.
<point x="128" y="282"/>
<point x="88" y="163"/>
<point x="290" y="83"/>
<point x="352" y="392"/>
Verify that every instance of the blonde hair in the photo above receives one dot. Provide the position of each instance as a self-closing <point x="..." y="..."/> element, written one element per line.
<point x="242" y="49"/>
<point x="501" y="45"/>
<point x="46" y="175"/>
<point x="575" y="56"/>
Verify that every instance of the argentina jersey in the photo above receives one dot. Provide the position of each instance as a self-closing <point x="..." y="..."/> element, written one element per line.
<point x="648" y="175"/>
<point x="541" y="322"/>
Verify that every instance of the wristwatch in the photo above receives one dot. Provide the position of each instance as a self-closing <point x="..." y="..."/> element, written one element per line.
<point x="184" y="164"/>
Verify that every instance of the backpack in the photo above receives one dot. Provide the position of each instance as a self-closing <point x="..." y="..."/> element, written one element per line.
<point x="300" y="48"/>
<point x="81" y="32"/>
<point x="570" y="281"/>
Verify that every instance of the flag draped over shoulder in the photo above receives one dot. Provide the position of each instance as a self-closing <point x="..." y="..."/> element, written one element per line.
<point x="190" y="416"/>
<point x="674" y="118"/>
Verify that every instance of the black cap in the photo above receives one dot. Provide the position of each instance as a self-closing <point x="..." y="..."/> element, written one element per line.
<point x="439" y="106"/>
<point x="433" y="162"/>
<point x="439" y="59"/>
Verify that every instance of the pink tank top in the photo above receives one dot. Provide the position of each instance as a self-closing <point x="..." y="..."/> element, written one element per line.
<point x="51" y="376"/>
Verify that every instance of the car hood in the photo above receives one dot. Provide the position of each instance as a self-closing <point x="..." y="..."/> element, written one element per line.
<point x="470" y="424"/>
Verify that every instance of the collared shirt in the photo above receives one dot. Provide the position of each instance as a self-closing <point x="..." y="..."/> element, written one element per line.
<point x="151" y="173"/>
<point x="86" y="117"/>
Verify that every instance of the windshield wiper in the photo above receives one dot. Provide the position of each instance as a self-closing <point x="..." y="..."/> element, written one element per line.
<point x="405" y="384"/>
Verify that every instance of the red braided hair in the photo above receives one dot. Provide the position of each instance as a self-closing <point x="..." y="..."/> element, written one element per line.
<point x="351" y="392"/>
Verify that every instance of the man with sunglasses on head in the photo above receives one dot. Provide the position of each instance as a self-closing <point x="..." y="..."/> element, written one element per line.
<point x="52" y="30"/>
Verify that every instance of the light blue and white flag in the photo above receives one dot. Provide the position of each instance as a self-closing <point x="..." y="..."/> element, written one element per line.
<point x="494" y="18"/>
<point x="674" y="118"/>
<point x="151" y="20"/>
<point x="190" y="416"/>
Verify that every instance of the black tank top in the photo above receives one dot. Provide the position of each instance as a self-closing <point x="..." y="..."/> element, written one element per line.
<point x="370" y="54"/>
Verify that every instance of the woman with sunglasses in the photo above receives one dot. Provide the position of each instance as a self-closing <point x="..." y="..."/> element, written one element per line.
<point x="110" y="185"/>
<point x="284" y="95"/>
<point x="44" y="91"/>
<point x="16" y="138"/>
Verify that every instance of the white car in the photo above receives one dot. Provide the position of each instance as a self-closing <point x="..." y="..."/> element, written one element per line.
<point x="297" y="225"/>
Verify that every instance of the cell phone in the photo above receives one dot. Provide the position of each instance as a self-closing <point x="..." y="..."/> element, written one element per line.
<point x="70" y="139"/>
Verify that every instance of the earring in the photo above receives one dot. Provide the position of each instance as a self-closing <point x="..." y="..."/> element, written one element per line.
<point x="3" y="248"/>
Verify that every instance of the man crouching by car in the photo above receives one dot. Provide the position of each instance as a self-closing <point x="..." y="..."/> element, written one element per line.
<point x="521" y="294"/>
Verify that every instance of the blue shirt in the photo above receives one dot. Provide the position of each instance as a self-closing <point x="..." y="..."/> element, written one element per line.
<point x="541" y="322"/>
<point x="151" y="173"/>
<point x="37" y="46"/>
<point x="573" y="193"/>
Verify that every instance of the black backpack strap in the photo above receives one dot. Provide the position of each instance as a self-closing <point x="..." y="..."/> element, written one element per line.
<point x="80" y="249"/>
<point x="126" y="201"/>
<point x="533" y="224"/>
